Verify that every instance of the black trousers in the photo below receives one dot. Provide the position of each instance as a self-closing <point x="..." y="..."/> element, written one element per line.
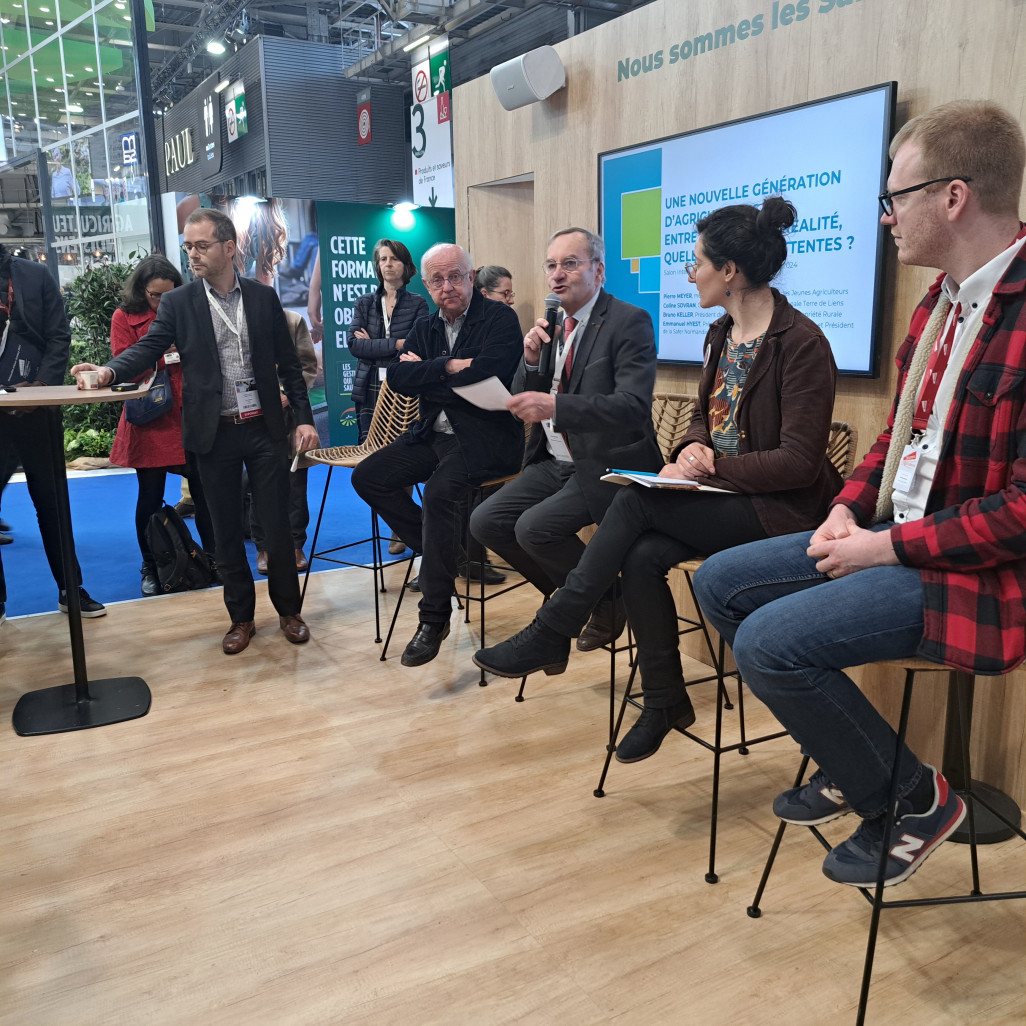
<point x="642" y="535"/>
<point x="438" y="529"/>
<point x="533" y="520"/>
<point x="220" y="471"/>
<point x="25" y="438"/>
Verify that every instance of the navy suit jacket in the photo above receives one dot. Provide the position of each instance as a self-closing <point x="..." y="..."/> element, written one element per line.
<point x="184" y="320"/>
<point x="606" y="413"/>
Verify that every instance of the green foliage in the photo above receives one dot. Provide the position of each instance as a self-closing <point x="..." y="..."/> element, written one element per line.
<point x="91" y="300"/>
<point x="88" y="441"/>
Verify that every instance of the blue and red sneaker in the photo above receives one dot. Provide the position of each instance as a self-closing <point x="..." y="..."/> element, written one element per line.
<point x="856" y="861"/>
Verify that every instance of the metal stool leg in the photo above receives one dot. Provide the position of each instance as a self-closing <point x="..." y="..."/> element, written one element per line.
<point x="313" y="546"/>
<point x="398" y="604"/>
<point x="753" y="910"/>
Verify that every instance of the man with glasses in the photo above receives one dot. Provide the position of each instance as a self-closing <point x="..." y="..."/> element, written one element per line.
<point x="591" y="411"/>
<point x="235" y="348"/>
<point x="454" y="443"/>
<point x="924" y="550"/>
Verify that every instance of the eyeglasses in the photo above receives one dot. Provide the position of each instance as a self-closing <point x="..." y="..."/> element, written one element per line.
<point x="569" y="265"/>
<point x="692" y="269"/>
<point x="507" y="294"/>
<point x="154" y="295"/>
<point x="455" y="279"/>
<point x="201" y="247"/>
<point x="886" y="197"/>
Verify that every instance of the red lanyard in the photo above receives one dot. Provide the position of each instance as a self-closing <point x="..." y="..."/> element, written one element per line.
<point x="935" y="372"/>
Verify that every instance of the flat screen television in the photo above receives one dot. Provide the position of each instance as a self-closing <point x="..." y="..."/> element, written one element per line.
<point x="828" y="157"/>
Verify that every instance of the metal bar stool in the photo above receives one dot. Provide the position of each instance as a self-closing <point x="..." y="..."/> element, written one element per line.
<point x="393" y="415"/>
<point x="717" y="656"/>
<point x="976" y="798"/>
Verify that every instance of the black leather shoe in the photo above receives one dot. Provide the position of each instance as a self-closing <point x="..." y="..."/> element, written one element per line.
<point x="473" y="571"/>
<point x="150" y="580"/>
<point x="425" y="644"/>
<point x="535" y="648"/>
<point x="413" y="584"/>
<point x="645" y="737"/>
<point x="606" y="624"/>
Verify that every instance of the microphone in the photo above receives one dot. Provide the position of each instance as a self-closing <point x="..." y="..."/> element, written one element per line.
<point x="551" y="321"/>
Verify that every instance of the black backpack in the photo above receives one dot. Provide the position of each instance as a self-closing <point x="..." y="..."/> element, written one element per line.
<point x="181" y="564"/>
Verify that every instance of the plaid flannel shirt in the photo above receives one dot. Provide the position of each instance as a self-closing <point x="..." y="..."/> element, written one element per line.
<point x="970" y="547"/>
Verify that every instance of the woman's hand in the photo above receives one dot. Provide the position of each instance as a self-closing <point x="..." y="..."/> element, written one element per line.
<point x="696" y="461"/>
<point x="361" y="333"/>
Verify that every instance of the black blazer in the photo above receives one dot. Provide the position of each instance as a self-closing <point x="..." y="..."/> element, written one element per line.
<point x="607" y="412"/>
<point x="184" y="319"/>
<point x="39" y="325"/>
<point x="492" y="441"/>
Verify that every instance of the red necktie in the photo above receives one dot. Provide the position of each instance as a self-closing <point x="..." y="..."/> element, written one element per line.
<point x="569" y="323"/>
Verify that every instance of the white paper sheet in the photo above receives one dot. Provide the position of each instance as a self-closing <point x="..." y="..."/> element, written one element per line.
<point x="490" y="394"/>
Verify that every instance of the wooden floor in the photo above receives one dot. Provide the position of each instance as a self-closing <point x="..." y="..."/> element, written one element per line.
<point x="307" y="835"/>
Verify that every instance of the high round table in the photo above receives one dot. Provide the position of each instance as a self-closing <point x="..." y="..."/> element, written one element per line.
<point x="84" y="703"/>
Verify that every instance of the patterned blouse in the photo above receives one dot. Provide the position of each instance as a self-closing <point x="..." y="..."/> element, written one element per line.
<point x="735" y="362"/>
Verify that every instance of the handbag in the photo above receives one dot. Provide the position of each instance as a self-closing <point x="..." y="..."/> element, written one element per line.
<point x="155" y="403"/>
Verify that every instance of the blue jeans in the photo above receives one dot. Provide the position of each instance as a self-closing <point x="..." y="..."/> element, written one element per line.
<point x="793" y="631"/>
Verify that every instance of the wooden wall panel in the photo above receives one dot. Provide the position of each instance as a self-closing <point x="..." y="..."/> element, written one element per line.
<point x="936" y="50"/>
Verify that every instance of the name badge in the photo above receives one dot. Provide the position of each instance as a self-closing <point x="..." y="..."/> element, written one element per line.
<point x="248" y="397"/>
<point x="906" y="469"/>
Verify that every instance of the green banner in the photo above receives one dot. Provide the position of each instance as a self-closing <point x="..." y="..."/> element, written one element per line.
<point x="348" y="232"/>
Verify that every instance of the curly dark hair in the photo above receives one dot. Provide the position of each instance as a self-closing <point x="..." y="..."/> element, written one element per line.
<point x="752" y="237"/>
<point x="133" y="295"/>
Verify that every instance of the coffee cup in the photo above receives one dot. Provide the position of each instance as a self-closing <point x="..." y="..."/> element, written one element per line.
<point x="90" y="378"/>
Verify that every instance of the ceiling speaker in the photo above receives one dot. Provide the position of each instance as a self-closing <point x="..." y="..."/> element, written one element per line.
<point x="528" y="78"/>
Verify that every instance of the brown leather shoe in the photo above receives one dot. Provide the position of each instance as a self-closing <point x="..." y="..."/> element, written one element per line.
<point x="301" y="561"/>
<point x="238" y="637"/>
<point x="261" y="562"/>
<point x="294" y="629"/>
<point x="607" y="622"/>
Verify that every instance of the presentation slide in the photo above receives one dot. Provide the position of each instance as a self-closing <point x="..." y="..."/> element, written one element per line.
<point x="828" y="158"/>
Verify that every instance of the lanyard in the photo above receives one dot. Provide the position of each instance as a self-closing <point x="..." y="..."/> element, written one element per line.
<point x="235" y="328"/>
<point x="7" y="308"/>
<point x="386" y="318"/>
<point x="935" y="372"/>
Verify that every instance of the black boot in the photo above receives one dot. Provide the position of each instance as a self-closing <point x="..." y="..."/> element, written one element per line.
<point x="645" y="737"/>
<point x="535" y="648"/>
<point x="150" y="581"/>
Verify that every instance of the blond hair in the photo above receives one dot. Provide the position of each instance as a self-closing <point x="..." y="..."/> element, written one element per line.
<point x="974" y="139"/>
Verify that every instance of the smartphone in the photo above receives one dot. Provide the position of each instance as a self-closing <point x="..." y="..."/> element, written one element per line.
<point x="125" y="386"/>
<point x="7" y="388"/>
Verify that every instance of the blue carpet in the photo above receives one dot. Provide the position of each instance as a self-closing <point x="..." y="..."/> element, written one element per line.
<point x="103" y="519"/>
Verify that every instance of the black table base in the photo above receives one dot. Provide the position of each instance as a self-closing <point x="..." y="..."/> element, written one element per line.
<point x="86" y="703"/>
<point x="60" y="709"/>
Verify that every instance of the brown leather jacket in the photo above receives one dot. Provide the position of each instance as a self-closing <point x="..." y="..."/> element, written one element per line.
<point x="784" y="416"/>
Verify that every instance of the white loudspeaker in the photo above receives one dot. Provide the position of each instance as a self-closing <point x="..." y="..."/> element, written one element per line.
<point x="528" y="78"/>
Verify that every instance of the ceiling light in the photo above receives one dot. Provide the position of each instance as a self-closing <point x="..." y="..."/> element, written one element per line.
<point x="422" y="41"/>
<point x="74" y="108"/>
<point x="216" y="47"/>
<point x="222" y="85"/>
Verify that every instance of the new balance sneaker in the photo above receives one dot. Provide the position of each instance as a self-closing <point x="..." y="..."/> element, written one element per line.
<point x="913" y="837"/>
<point x="90" y="607"/>
<point x="813" y="803"/>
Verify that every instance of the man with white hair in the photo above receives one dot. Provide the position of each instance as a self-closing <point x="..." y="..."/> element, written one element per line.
<point x="454" y="443"/>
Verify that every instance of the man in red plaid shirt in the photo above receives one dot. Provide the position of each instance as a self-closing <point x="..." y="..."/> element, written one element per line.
<point x="924" y="551"/>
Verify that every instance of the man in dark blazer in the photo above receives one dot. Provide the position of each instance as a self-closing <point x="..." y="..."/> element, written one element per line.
<point x="34" y="351"/>
<point x="593" y="411"/>
<point x="235" y="347"/>
<point x="454" y="443"/>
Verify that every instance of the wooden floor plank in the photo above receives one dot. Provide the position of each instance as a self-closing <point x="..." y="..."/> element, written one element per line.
<point x="307" y="835"/>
